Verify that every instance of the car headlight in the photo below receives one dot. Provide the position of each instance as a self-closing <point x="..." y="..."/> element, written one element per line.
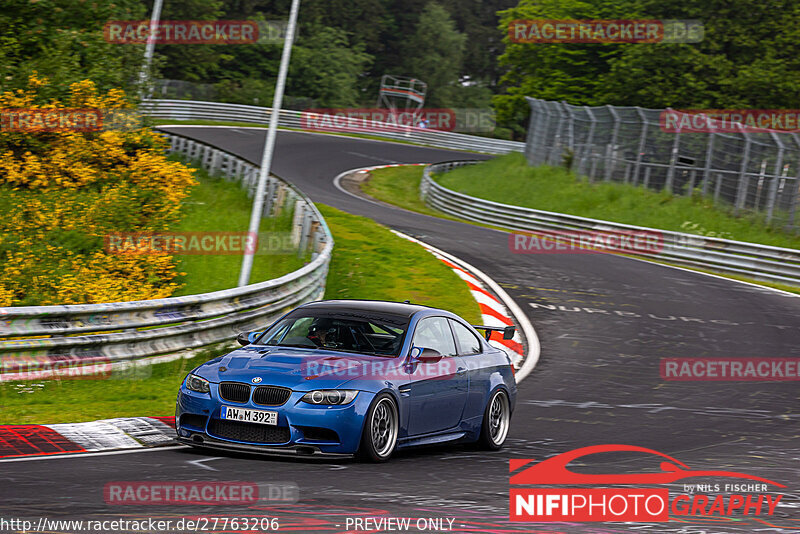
<point x="195" y="383"/>
<point x="330" y="396"/>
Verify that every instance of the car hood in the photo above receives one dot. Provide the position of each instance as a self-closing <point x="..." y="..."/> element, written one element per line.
<point x="298" y="369"/>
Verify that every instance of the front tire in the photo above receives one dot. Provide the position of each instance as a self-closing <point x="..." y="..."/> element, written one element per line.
<point x="381" y="428"/>
<point x="496" y="421"/>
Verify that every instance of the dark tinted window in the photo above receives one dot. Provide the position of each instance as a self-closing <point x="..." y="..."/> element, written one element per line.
<point x="338" y="330"/>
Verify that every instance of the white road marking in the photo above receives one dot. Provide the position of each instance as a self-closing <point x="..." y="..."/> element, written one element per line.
<point x="199" y="463"/>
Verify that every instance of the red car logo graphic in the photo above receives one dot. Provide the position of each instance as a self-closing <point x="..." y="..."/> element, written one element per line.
<point x="554" y="470"/>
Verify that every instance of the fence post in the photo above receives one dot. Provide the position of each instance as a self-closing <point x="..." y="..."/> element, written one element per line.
<point x="642" y="144"/>
<point x="541" y="147"/>
<point x="709" y="159"/>
<point x="531" y="131"/>
<point x="555" y="151"/>
<point x="744" y="180"/>
<point x="773" y="187"/>
<point x="589" y="150"/>
<point x="570" y="127"/>
<point x="794" y="191"/>
<point x="612" y="145"/>
<point x="673" y="160"/>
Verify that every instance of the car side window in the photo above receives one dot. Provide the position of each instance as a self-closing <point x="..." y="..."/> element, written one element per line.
<point x="434" y="333"/>
<point x="468" y="343"/>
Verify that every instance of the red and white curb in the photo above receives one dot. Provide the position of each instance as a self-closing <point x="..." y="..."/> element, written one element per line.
<point x="130" y="433"/>
<point x="497" y="309"/>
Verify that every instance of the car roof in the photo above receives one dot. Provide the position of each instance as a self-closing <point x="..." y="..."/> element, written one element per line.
<point x="376" y="306"/>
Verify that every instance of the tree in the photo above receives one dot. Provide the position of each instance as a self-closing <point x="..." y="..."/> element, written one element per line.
<point x="434" y="54"/>
<point x="63" y="39"/>
<point x="326" y="67"/>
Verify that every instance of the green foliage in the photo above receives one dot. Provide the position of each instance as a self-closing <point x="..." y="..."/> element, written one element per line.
<point x="326" y="67"/>
<point x="434" y="54"/>
<point x="63" y="39"/>
<point x="748" y="58"/>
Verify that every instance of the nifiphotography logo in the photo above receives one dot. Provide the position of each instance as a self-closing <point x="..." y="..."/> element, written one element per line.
<point x="630" y="504"/>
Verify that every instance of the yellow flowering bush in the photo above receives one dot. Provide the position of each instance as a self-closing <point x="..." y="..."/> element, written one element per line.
<point x="62" y="192"/>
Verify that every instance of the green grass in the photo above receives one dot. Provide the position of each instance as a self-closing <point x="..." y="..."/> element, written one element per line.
<point x="368" y="262"/>
<point x="509" y="179"/>
<point x="148" y="390"/>
<point x="216" y="205"/>
<point x="399" y="186"/>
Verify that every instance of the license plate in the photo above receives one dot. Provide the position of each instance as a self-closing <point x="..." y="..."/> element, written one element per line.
<point x="263" y="417"/>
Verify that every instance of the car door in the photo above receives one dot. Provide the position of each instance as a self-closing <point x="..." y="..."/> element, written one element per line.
<point x="470" y="350"/>
<point x="436" y="393"/>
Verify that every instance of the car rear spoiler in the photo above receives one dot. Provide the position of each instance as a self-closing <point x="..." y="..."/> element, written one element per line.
<point x="508" y="331"/>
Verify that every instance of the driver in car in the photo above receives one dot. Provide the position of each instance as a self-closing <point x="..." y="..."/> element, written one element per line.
<point x="322" y="332"/>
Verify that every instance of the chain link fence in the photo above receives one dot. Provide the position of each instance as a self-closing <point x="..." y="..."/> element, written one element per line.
<point x="748" y="172"/>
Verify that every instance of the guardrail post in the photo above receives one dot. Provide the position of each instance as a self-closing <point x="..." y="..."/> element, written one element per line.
<point x="744" y="179"/>
<point x="214" y="166"/>
<point x="305" y="229"/>
<point x="612" y="146"/>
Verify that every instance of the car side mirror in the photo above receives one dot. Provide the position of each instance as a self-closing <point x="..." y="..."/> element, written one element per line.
<point x="422" y="355"/>
<point x="245" y="338"/>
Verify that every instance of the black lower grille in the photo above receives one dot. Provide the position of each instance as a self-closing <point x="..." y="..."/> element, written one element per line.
<point x="250" y="432"/>
<point x="313" y="433"/>
<point x="234" y="391"/>
<point x="194" y="420"/>
<point x="271" y="395"/>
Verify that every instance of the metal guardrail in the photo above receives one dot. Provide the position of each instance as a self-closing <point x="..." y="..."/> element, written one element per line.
<point x="41" y="337"/>
<point x="183" y="110"/>
<point x="761" y="262"/>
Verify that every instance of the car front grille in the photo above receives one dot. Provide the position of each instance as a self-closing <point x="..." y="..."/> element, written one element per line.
<point x="250" y="432"/>
<point x="234" y="391"/>
<point x="271" y="395"/>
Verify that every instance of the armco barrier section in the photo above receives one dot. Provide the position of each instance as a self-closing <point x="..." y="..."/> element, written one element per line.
<point x="761" y="262"/>
<point x="188" y="110"/>
<point x="41" y="337"/>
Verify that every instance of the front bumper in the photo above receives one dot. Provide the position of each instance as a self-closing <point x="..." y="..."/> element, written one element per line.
<point x="292" y="450"/>
<point x="299" y="423"/>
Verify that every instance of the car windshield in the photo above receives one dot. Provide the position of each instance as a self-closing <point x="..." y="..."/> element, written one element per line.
<point x="359" y="331"/>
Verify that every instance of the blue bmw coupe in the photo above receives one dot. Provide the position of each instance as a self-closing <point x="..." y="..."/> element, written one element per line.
<point x="352" y="377"/>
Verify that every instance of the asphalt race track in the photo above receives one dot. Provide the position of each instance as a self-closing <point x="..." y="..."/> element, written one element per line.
<point x="604" y="323"/>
